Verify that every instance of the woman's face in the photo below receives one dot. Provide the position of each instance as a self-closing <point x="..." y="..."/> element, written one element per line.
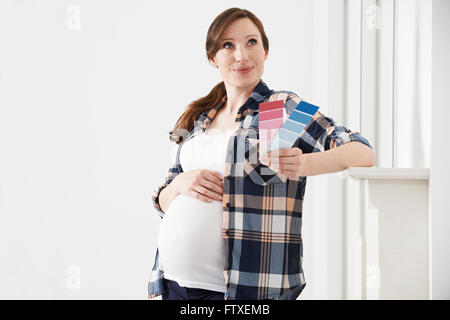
<point x="241" y="56"/>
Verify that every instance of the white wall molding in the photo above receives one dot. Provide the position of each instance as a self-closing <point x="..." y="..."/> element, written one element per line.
<point x="440" y="157"/>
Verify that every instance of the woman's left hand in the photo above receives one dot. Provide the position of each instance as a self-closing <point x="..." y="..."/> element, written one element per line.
<point x="290" y="162"/>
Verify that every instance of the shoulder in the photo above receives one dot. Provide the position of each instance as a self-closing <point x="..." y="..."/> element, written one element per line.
<point x="290" y="98"/>
<point x="291" y="101"/>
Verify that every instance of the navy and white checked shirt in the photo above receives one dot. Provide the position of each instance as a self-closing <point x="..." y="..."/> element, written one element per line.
<point x="262" y="210"/>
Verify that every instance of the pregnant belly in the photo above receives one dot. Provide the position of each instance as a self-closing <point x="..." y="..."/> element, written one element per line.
<point x="190" y="237"/>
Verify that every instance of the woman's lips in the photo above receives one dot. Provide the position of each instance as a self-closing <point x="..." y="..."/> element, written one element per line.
<point x="243" y="70"/>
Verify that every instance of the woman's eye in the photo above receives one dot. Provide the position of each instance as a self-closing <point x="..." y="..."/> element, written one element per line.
<point x="253" y="41"/>
<point x="227" y="45"/>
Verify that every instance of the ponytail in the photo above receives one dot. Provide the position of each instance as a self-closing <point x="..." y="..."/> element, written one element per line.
<point x="185" y="123"/>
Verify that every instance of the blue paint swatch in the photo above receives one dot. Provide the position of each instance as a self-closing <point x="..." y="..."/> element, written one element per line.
<point x="287" y="135"/>
<point x="294" y="126"/>
<point x="300" y="117"/>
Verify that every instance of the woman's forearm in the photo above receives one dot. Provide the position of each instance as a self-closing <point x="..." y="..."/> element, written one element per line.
<point x="166" y="197"/>
<point x="352" y="154"/>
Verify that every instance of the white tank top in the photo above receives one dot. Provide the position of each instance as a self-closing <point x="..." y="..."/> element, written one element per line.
<point x="190" y="243"/>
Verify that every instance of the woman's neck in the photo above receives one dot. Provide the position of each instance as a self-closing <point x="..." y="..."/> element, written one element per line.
<point x="236" y="97"/>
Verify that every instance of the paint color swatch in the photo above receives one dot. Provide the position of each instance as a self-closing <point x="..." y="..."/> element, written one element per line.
<point x="270" y="121"/>
<point x="294" y="126"/>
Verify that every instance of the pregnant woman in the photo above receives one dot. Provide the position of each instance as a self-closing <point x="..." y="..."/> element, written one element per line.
<point x="231" y="216"/>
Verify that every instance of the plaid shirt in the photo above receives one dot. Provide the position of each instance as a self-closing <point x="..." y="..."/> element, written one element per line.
<point x="262" y="210"/>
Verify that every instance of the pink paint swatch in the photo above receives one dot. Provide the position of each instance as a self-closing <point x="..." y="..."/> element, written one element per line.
<point x="270" y="121"/>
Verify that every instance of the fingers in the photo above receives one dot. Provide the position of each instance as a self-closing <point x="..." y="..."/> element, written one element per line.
<point x="213" y="187"/>
<point x="282" y="160"/>
<point x="207" y="186"/>
<point x="199" y="196"/>
<point x="284" y="152"/>
<point x="214" y="177"/>
<point x="206" y="194"/>
<point x="284" y="167"/>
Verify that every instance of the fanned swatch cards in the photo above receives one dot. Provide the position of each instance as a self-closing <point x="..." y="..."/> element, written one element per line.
<point x="274" y="134"/>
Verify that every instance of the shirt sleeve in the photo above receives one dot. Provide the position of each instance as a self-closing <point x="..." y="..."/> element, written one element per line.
<point x="173" y="172"/>
<point x="323" y="134"/>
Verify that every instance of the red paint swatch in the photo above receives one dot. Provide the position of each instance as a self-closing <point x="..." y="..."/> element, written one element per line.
<point x="270" y="105"/>
<point x="270" y="115"/>
<point x="270" y="121"/>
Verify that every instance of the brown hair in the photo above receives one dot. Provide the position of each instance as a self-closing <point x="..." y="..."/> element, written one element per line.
<point x="186" y="122"/>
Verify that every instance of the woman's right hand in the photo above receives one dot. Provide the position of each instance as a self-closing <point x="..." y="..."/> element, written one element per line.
<point x="202" y="184"/>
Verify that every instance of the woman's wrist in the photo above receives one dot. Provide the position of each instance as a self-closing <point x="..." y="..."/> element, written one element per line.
<point x="304" y="169"/>
<point x="173" y="188"/>
<point x="174" y="185"/>
<point x="167" y="195"/>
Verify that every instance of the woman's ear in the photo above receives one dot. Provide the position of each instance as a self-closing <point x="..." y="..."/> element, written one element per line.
<point x="211" y="60"/>
<point x="267" y="54"/>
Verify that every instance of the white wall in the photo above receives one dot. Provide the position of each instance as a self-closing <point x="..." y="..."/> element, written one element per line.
<point x="88" y="92"/>
<point x="90" y="89"/>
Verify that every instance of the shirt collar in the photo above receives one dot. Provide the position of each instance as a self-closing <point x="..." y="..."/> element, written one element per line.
<point x="258" y="95"/>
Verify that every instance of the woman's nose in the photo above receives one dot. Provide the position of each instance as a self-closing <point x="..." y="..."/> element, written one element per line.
<point x="240" y="53"/>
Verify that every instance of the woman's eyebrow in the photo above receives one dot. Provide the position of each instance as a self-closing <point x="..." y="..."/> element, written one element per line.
<point x="250" y="35"/>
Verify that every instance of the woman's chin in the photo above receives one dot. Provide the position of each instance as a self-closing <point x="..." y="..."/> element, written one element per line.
<point x="245" y="82"/>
